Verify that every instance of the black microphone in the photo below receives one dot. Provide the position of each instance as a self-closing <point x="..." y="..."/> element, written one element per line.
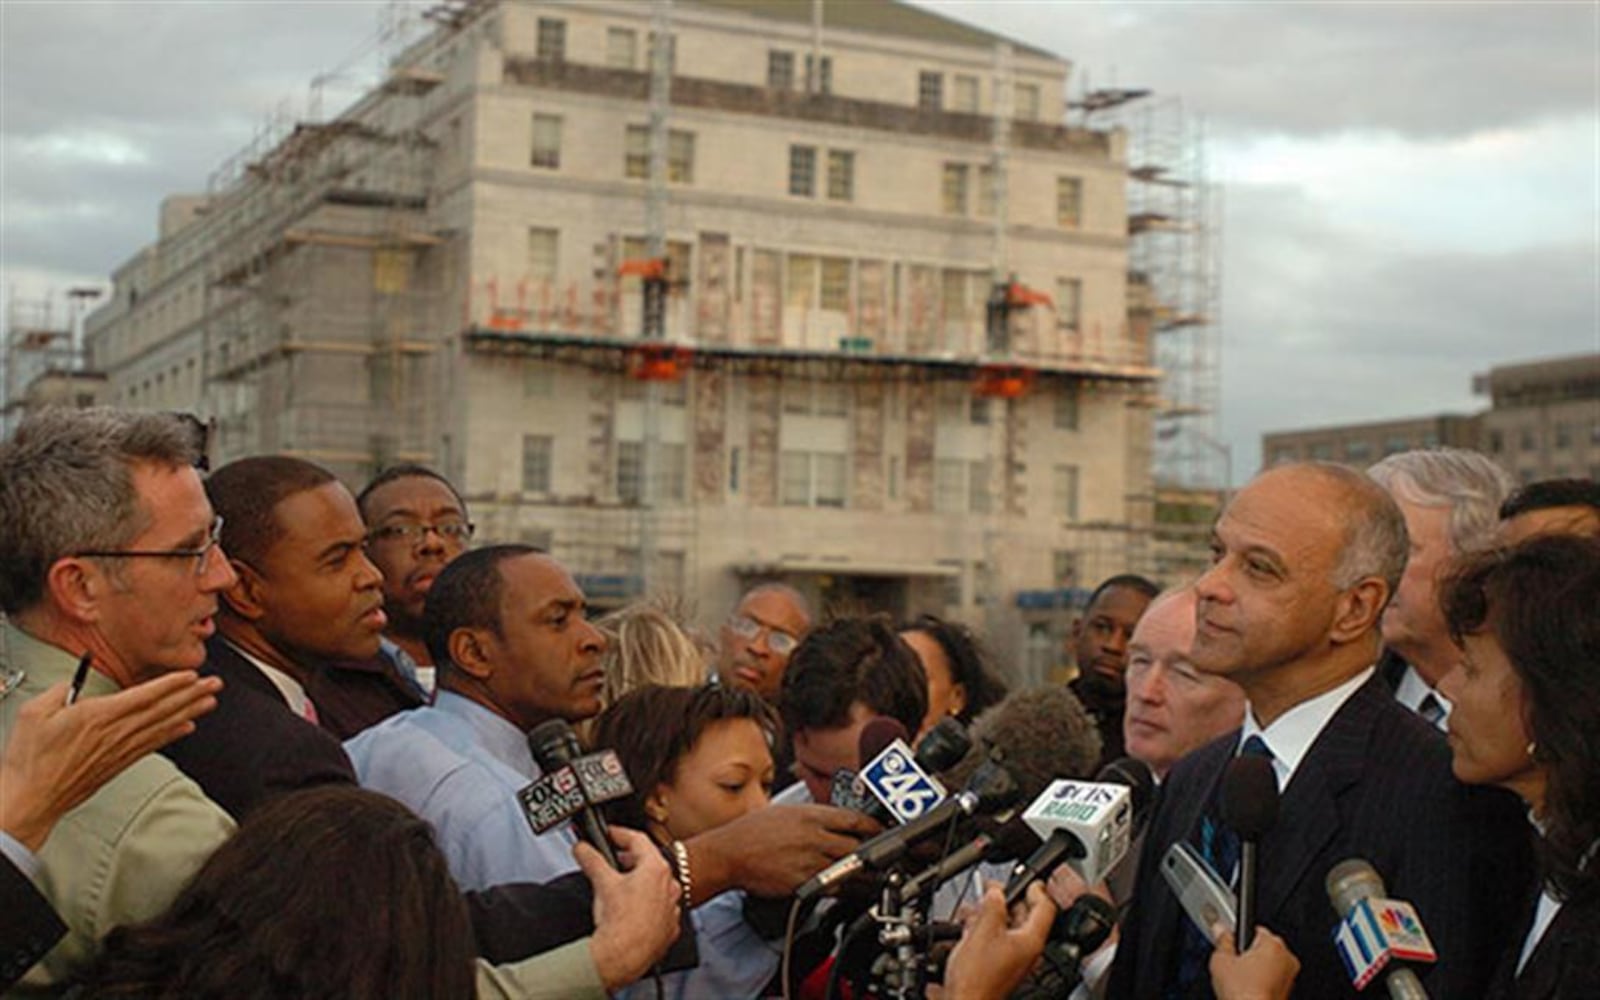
<point x="942" y="746"/>
<point x="847" y="791"/>
<point x="1249" y="807"/>
<point x="998" y="841"/>
<point x="991" y="789"/>
<point x="1078" y="930"/>
<point x="555" y="746"/>
<point x="1063" y="844"/>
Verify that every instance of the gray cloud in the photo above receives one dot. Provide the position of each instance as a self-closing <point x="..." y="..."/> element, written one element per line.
<point x="1428" y="70"/>
<point x="1325" y="327"/>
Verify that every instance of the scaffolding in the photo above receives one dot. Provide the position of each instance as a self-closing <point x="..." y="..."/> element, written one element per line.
<point x="1174" y="277"/>
<point x="42" y="339"/>
<point x="324" y="286"/>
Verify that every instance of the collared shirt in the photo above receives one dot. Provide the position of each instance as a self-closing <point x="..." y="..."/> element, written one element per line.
<point x="422" y="678"/>
<point x="123" y="855"/>
<point x="1412" y="691"/>
<point x="1291" y="734"/>
<point x="292" y="692"/>
<point x="459" y="765"/>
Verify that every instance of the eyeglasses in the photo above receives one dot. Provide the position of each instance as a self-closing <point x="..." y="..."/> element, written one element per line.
<point x="747" y="628"/>
<point x="459" y="532"/>
<point x="201" y="556"/>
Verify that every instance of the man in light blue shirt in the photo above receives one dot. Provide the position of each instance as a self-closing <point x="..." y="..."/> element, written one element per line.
<point x="507" y="630"/>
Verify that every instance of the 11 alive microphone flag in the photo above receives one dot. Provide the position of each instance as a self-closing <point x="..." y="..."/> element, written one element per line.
<point x="1099" y="815"/>
<point x="1378" y="931"/>
<point x="895" y="779"/>
<point x="588" y="780"/>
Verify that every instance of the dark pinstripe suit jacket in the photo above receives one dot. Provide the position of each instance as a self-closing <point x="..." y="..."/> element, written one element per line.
<point x="29" y="926"/>
<point x="1376" y="784"/>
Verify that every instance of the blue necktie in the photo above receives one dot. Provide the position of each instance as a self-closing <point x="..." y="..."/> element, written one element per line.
<point x="1219" y="845"/>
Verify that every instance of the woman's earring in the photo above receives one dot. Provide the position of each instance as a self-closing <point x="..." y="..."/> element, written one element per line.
<point x="1533" y="750"/>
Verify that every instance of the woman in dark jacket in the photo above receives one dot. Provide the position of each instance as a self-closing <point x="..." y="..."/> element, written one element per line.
<point x="1526" y="716"/>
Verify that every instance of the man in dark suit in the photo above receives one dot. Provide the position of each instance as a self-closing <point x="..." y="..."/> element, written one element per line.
<point x="1304" y="561"/>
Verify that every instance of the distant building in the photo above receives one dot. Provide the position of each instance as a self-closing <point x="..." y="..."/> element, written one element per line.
<point x="447" y="273"/>
<point x="1360" y="445"/>
<point x="1544" y="418"/>
<point x="1544" y="423"/>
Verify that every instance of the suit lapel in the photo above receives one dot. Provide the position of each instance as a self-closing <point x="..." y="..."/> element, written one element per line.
<point x="1308" y="815"/>
<point x="1161" y="928"/>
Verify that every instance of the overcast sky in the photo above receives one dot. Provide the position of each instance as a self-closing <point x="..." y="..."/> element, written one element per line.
<point x="1412" y="191"/>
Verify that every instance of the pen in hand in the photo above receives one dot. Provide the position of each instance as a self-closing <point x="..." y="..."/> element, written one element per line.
<point x="78" y="677"/>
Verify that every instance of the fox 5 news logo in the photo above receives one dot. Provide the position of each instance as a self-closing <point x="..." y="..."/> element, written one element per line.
<point x="900" y="785"/>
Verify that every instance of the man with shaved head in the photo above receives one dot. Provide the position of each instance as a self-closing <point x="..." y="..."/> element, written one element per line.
<point x="1304" y="560"/>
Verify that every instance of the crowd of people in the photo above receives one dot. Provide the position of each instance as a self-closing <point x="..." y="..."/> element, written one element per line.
<point x="264" y="737"/>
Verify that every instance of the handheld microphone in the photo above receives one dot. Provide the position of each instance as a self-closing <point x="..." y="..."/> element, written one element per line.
<point x="1375" y="932"/>
<point x="1086" y="824"/>
<point x="573" y="783"/>
<point x="991" y="789"/>
<point x="1250" y="808"/>
<point x="895" y="780"/>
<point x="1000" y="841"/>
<point x="1078" y="930"/>
<point x="942" y="746"/>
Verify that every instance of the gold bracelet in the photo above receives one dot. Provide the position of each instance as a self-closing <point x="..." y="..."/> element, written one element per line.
<point x="680" y="854"/>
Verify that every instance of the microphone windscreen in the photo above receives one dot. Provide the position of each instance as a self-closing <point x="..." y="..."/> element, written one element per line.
<point x="1042" y="735"/>
<point x="1351" y="881"/>
<point x="1249" y="796"/>
<point x="943" y="745"/>
<point x="875" y="738"/>
<point x="1141" y="782"/>
<point x="553" y="743"/>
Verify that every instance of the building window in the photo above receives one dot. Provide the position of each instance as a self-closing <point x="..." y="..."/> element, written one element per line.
<point x="536" y="449"/>
<point x="1064" y="567"/>
<point x="832" y="399"/>
<point x="964" y="93"/>
<point x="950" y="486"/>
<point x="841" y="175"/>
<point x="986" y="193"/>
<point x="543" y="253"/>
<point x="1066" y="491"/>
<point x="835" y="284"/>
<point x="552" y="45"/>
<point x="672" y="52"/>
<point x="1069" y="202"/>
<point x="1322" y="451"/>
<point x="1069" y="305"/>
<point x="622" y="48"/>
<point x="780" y="70"/>
<point x="803" y="171"/>
<point x="953" y="190"/>
<point x="1027" y="108"/>
<point x="670" y="477"/>
<point x="978" y="487"/>
<point x="1529" y="440"/>
<point x="828" y="471"/>
<point x="1066" y="408"/>
<point x="1563" y="435"/>
<point x="811" y="479"/>
<point x="823" y="83"/>
<point x="680" y="157"/>
<point x="978" y="410"/>
<point x="636" y="155"/>
<point x="1497" y="442"/>
<point x="546" y="141"/>
<point x="930" y="91"/>
<point x="630" y="471"/>
<point x="1358" y="451"/>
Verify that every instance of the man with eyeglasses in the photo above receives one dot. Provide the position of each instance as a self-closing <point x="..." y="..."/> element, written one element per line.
<point x="416" y="525"/>
<point x="759" y="637"/>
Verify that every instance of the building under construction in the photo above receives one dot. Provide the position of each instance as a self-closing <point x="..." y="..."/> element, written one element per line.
<point x="698" y="293"/>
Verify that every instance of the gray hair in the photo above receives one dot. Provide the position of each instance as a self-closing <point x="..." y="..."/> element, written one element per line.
<point x="66" y="485"/>
<point x="1375" y="542"/>
<point x="1470" y="484"/>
